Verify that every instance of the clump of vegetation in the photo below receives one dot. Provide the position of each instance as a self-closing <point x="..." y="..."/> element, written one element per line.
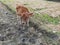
<point x="45" y="18"/>
<point x="38" y="9"/>
<point x="50" y="19"/>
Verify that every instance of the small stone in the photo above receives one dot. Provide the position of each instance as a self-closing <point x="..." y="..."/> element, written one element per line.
<point x="54" y="31"/>
<point x="32" y="30"/>
<point x="32" y="41"/>
<point x="23" y="40"/>
<point x="19" y="28"/>
<point x="39" y="34"/>
<point x="6" y="12"/>
<point x="41" y="43"/>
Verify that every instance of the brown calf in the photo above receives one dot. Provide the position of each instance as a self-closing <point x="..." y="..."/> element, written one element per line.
<point x="24" y="13"/>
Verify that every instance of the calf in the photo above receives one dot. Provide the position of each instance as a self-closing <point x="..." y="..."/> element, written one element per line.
<point x="24" y="13"/>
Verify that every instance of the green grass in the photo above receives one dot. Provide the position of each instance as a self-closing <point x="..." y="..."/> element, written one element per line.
<point x="5" y="1"/>
<point x="47" y="19"/>
<point x="38" y="9"/>
<point x="52" y="20"/>
<point x="8" y="3"/>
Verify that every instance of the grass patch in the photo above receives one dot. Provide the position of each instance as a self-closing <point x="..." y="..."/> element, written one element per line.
<point x="47" y="19"/>
<point x="26" y="4"/>
<point x="8" y="3"/>
<point x="38" y="9"/>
